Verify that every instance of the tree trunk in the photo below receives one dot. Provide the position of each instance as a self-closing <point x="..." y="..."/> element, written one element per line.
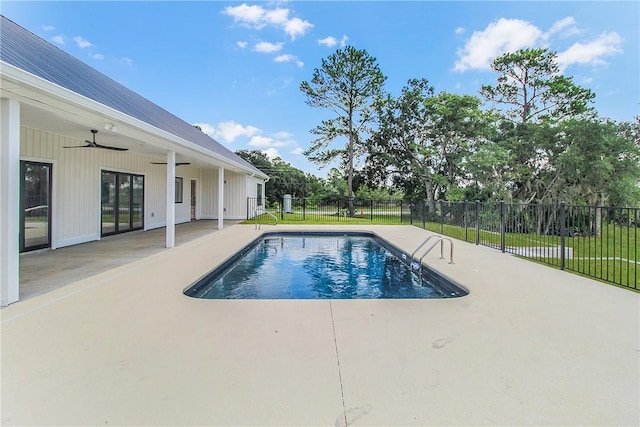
<point x="431" y="199"/>
<point x="350" y="174"/>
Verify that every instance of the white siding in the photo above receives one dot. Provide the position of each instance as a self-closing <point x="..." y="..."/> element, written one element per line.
<point x="208" y="191"/>
<point x="76" y="186"/>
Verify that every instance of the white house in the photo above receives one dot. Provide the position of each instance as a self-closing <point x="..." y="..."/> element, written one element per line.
<point x="147" y="168"/>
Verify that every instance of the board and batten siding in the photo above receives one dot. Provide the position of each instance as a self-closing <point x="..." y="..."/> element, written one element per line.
<point x="76" y="186"/>
<point x="235" y="194"/>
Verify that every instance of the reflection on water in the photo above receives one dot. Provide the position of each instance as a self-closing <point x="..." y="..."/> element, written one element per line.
<point x="319" y="267"/>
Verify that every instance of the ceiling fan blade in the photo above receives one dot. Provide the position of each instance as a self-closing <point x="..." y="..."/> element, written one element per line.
<point x="110" y="148"/>
<point x="177" y="163"/>
<point x="78" y="146"/>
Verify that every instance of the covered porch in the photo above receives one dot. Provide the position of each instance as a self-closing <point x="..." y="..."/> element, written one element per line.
<point x="45" y="271"/>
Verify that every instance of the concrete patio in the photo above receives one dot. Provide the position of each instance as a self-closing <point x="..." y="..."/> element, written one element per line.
<point x="529" y="345"/>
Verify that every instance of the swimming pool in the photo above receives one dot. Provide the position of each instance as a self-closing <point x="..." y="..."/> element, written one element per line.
<point x="321" y="265"/>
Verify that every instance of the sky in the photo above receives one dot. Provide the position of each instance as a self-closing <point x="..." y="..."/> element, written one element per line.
<point x="235" y="68"/>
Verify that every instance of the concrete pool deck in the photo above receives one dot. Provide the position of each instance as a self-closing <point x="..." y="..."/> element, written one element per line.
<point x="529" y="345"/>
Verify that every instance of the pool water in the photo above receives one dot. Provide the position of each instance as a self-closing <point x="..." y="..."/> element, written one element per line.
<point x="320" y="266"/>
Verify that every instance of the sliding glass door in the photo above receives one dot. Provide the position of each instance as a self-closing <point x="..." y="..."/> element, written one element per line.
<point x="122" y="202"/>
<point x="35" y="209"/>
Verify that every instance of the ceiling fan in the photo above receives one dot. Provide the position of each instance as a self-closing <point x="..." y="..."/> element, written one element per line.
<point x="177" y="163"/>
<point x="93" y="144"/>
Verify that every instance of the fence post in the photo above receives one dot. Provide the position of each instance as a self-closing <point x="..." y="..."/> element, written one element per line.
<point x="410" y="214"/>
<point x="464" y="221"/>
<point x="304" y="209"/>
<point x="247" y="208"/>
<point x="441" y="217"/>
<point x="424" y="214"/>
<point x="502" y="227"/>
<point x="282" y="210"/>
<point x="477" y="222"/>
<point x="563" y="229"/>
<point x="401" y="211"/>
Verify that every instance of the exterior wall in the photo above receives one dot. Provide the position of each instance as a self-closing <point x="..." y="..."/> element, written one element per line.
<point x="76" y="186"/>
<point x="235" y="194"/>
<point x="208" y="191"/>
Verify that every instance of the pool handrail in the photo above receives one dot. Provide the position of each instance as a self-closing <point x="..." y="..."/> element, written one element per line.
<point x="260" y="210"/>
<point x="439" y="239"/>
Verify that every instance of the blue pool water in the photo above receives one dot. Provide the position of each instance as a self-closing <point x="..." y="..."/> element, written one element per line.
<point x="321" y="266"/>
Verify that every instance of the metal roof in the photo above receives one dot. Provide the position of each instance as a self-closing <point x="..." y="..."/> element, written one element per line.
<point x="26" y="51"/>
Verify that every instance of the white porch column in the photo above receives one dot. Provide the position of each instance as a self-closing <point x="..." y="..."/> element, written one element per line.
<point x="171" y="199"/>
<point x="9" y="201"/>
<point x="220" y="198"/>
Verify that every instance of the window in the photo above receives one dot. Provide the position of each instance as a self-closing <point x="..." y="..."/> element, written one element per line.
<point x="122" y="202"/>
<point x="259" y="194"/>
<point x="178" y="190"/>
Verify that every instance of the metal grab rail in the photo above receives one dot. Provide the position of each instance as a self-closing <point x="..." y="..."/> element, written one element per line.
<point x="435" y="236"/>
<point x="260" y="211"/>
<point x="439" y="239"/>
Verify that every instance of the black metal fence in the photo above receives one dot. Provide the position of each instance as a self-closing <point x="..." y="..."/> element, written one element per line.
<point x="330" y="210"/>
<point x="595" y="241"/>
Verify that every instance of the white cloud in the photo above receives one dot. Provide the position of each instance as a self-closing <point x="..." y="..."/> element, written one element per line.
<point x="206" y="128"/>
<point x="459" y="31"/>
<point x="284" y="135"/>
<point x="298" y="151"/>
<point x="261" y="141"/>
<point x="284" y="58"/>
<point x="289" y="58"/>
<point x="277" y="16"/>
<point x="82" y="43"/>
<point x="58" y="39"/>
<point x="510" y="35"/>
<point x="267" y="47"/>
<point x="242" y="44"/>
<point x="271" y="153"/>
<point x="48" y="27"/>
<point x="331" y="41"/>
<point x="126" y="61"/>
<point x="97" y="56"/>
<point x="296" y="27"/>
<point x="565" y="27"/>
<point x="229" y="131"/>
<point x="504" y="35"/>
<point x="245" y="14"/>
<point x="258" y="17"/>
<point x="328" y="41"/>
<point x="593" y="52"/>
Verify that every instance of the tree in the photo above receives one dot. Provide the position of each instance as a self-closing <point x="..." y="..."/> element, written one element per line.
<point x="532" y="89"/>
<point x="347" y="84"/>
<point x="399" y="150"/>
<point x="536" y="97"/>
<point x="423" y="141"/>
<point x="283" y="178"/>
